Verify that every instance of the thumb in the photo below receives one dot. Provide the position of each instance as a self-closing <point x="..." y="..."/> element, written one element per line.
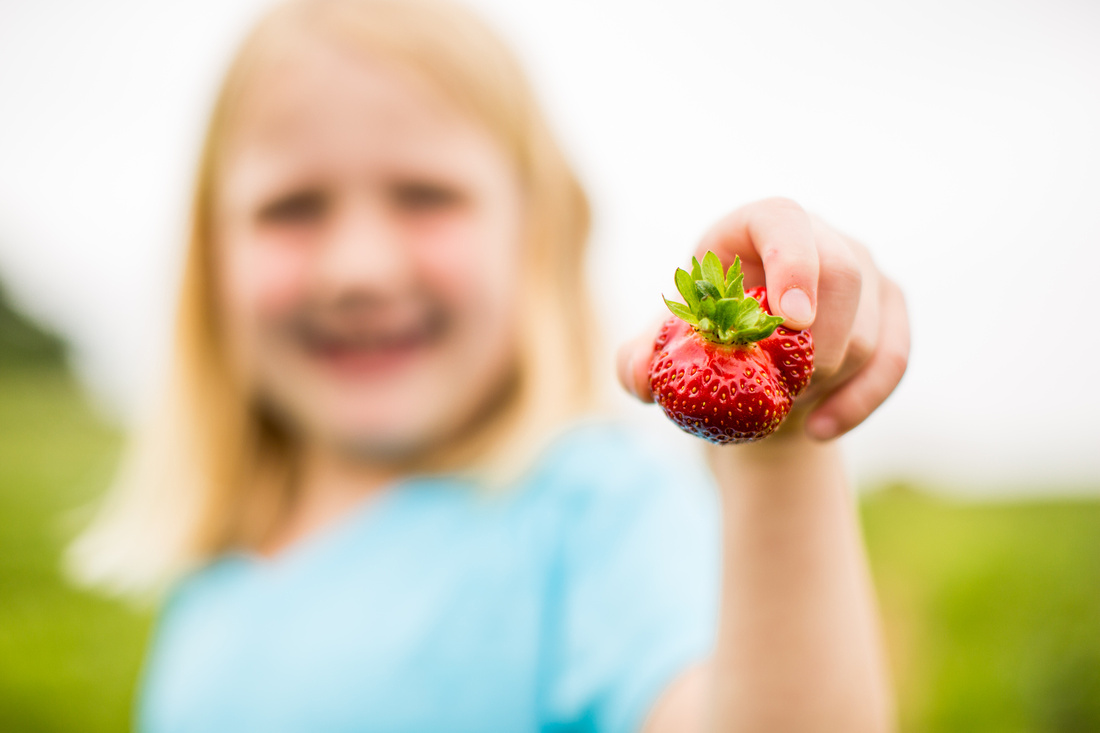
<point x="775" y="235"/>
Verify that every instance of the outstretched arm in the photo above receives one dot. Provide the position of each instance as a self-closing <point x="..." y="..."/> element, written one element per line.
<point x="798" y="647"/>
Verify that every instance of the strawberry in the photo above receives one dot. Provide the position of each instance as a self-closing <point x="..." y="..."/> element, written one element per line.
<point x="723" y="368"/>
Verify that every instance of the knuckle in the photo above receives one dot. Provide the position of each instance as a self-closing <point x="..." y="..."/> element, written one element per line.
<point x="892" y="290"/>
<point x="781" y="204"/>
<point x="834" y="246"/>
<point x="827" y="366"/>
<point x="778" y="210"/>
<point x="846" y="272"/>
<point x="850" y="412"/>
<point x="858" y="250"/>
<point x="773" y="257"/>
<point x="860" y="348"/>
<point x="896" y="361"/>
<point x="862" y="406"/>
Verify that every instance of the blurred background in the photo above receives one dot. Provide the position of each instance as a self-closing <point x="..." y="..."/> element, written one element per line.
<point x="959" y="140"/>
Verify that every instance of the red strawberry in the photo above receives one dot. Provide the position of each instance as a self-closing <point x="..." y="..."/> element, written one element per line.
<point x="723" y="368"/>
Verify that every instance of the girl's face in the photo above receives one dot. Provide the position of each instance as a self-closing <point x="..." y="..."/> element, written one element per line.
<point x="368" y="244"/>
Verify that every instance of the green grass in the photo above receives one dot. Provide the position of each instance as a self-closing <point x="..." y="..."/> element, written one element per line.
<point x="68" y="660"/>
<point x="992" y="612"/>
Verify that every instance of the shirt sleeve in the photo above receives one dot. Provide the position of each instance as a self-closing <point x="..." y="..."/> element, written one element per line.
<point x="636" y="584"/>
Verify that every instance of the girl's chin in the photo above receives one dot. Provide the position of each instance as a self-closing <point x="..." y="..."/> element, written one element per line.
<point x="376" y="445"/>
<point x="399" y="420"/>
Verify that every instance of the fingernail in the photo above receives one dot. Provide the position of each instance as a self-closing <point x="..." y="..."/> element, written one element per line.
<point x="795" y="305"/>
<point x="822" y="427"/>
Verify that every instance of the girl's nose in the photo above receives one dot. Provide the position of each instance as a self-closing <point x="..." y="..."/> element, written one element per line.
<point x="364" y="250"/>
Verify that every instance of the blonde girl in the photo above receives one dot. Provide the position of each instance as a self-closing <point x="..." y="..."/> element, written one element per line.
<point x="368" y="490"/>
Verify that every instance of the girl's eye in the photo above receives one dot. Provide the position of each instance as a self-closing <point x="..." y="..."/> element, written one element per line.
<point x="425" y="197"/>
<point x="297" y="208"/>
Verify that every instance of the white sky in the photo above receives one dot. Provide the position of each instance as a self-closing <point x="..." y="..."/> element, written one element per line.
<point x="959" y="140"/>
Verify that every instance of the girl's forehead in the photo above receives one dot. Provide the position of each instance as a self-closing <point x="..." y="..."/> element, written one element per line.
<point x="324" y="90"/>
<point x="323" y="109"/>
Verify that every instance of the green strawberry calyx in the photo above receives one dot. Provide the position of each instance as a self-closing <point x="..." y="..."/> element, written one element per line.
<point x="716" y="304"/>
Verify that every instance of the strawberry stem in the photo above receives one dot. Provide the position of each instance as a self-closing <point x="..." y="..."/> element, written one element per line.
<point x="715" y="304"/>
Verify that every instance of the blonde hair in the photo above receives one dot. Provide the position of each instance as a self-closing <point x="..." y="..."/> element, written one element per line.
<point x="192" y="485"/>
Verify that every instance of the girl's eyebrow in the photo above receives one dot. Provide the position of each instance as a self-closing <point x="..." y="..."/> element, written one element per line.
<point x="250" y="183"/>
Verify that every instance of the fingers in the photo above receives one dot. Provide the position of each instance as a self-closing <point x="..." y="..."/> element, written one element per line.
<point x="854" y="400"/>
<point x="815" y="276"/>
<point x="840" y="298"/>
<point x="777" y="234"/>
<point x="633" y="361"/>
<point x="867" y="326"/>
<point x="861" y="341"/>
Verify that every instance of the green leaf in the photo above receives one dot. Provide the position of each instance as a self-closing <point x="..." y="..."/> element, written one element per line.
<point x="712" y="271"/>
<point x="696" y="270"/>
<point x="706" y="289"/>
<point x="726" y="313"/>
<point x="686" y="286"/>
<point x="706" y="308"/>
<point x="716" y="304"/>
<point x="754" y="313"/>
<point x="734" y="279"/>
<point x="681" y="311"/>
<point x="735" y="288"/>
<point x="763" y="328"/>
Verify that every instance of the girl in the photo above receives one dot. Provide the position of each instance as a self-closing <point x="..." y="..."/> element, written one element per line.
<point x="368" y="484"/>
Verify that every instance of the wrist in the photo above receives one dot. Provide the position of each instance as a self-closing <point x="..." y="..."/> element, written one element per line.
<point x="789" y="450"/>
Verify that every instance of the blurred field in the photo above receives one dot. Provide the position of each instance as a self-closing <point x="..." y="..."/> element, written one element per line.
<point x="68" y="660"/>
<point x="992" y="611"/>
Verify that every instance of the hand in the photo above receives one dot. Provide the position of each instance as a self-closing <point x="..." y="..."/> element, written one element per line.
<point x="816" y="277"/>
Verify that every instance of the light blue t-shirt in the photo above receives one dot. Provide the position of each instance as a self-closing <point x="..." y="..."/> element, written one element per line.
<point x="568" y="603"/>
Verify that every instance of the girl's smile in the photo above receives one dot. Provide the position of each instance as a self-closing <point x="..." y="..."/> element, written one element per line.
<point x="350" y="346"/>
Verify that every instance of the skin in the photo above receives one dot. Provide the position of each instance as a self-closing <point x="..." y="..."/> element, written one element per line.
<point x="366" y="244"/>
<point x="798" y="644"/>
